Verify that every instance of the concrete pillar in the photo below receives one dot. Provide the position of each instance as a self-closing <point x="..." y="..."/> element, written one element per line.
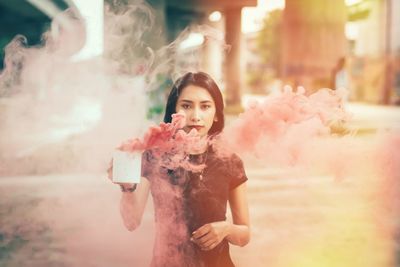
<point x="214" y="50"/>
<point x="233" y="73"/>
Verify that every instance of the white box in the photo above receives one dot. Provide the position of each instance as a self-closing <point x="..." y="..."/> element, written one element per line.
<point x="127" y="167"/>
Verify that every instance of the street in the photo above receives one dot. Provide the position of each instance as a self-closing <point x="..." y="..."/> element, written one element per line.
<point x="73" y="220"/>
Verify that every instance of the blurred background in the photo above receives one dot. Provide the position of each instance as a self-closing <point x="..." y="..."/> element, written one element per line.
<point x="352" y="44"/>
<point x="77" y="77"/>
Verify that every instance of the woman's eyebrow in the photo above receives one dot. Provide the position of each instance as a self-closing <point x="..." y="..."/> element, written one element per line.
<point x="185" y="100"/>
<point x="190" y="101"/>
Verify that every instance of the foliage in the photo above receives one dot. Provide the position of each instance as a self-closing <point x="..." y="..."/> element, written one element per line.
<point x="267" y="50"/>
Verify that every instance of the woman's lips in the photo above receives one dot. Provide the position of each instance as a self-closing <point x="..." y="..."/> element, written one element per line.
<point x="197" y="127"/>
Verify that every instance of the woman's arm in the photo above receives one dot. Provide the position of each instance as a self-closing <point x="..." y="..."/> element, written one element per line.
<point x="238" y="232"/>
<point x="132" y="204"/>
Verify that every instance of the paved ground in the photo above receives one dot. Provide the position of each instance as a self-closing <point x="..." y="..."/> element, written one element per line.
<point x="73" y="220"/>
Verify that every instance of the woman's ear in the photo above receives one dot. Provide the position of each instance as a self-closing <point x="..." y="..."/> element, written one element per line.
<point x="215" y="118"/>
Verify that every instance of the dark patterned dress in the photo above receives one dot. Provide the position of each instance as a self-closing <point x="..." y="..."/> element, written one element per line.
<point x="184" y="201"/>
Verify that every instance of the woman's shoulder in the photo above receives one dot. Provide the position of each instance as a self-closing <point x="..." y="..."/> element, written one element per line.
<point x="226" y="157"/>
<point x="231" y="165"/>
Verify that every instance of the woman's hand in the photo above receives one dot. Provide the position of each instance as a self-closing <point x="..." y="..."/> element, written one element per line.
<point x="210" y="235"/>
<point x="110" y="172"/>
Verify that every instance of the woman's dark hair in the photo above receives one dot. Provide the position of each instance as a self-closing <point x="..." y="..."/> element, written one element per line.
<point x="203" y="80"/>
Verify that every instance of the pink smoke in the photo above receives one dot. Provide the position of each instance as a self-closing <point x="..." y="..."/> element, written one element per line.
<point x="281" y="129"/>
<point x="169" y="143"/>
<point x="50" y="92"/>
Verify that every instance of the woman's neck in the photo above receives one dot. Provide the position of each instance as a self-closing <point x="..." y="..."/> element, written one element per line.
<point x="200" y="147"/>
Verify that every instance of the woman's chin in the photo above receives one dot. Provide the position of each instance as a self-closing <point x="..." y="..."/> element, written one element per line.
<point x="201" y="133"/>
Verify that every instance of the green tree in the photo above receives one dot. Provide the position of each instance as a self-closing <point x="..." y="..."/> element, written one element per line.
<point x="266" y="51"/>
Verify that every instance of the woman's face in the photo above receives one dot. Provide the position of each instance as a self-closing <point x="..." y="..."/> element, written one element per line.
<point x="199" y="108"/>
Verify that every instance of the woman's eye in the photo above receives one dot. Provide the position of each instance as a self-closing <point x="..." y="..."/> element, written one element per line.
<point x="206" y="106"/>
<point x="185" y="106"/>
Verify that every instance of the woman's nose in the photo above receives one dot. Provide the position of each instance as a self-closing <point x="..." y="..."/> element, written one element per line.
<point x="195" y="115"/>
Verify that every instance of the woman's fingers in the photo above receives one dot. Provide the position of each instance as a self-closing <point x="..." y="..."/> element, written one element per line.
<point x="204" y="243"/>
<point x="206" y="239"/>
<point x="209" y="244"/>
<point x="201" y="231"/>
<point x="210" y="235"/>
<point x="110" y="170"/>
<point x="128" y="185"/>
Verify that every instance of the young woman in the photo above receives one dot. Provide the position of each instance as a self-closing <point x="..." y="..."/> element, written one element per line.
<point x="190" y="208"/>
